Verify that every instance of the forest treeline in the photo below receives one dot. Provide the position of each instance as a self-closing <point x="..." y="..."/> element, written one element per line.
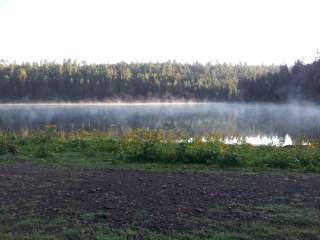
<point x="76" y="81"/>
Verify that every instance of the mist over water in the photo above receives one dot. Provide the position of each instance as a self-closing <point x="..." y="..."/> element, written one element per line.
<point x="255" y="121"/>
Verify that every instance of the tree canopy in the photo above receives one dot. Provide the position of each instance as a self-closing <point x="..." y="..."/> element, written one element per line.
<point x="75" y="81"/>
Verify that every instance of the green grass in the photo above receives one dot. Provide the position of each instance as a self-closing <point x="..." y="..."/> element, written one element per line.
<point x="153" y="150"/>
<point x="147" y="148"/>
<point x="270" y="222"/>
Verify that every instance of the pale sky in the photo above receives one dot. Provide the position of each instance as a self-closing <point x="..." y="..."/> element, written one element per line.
<point x="107" y="31"/>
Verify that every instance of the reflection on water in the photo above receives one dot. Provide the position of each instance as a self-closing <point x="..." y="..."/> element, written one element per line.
<point x="263" y="140"/>
<point x="260" y="123"/>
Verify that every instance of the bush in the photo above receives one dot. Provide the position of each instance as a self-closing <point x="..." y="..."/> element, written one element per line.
<point x="42" y="152"/>
<point x="279" y="159"/>
<point x="230" y="159"/>
<point x="76" y="144"/>
<point x="139" y="151"/>
<point x="201" y="152"/>
<point x="3" y="148"/>
<point x="181" y="153"/>
<point x="7" y="148"/>
<point x="12" y="149"/>
<point x="142" y="146"/>
<point x="107" y="145"/>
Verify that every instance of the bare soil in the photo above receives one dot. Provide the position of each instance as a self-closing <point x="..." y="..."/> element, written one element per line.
<point x="158" y="200"/>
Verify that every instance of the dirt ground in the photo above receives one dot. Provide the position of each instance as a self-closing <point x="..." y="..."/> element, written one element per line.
<point x="157" y="200"/>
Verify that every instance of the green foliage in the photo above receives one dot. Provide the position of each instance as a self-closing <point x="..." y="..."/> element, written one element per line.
<point x="230" y="159"/>
<point x="151" y="146"/>
<point x="141" y="146"/>
<point x="270" y="221"/>
<point x="42" y="152"/>
<point x="181" y="153"/>
<point x="278" y="159"/>
<point x="7" y="148"/>
<point x="3" y="148"/>
<point x="74" y="81"/>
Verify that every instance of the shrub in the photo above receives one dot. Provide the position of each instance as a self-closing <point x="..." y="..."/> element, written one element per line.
<point x="166" y="153"/>
<point x="230" y="159"/>
<point x="12" y="149"/>
<point x="7" y="148"/>
<point x="42" y="152"/>
<point x="142" y="146"/>
<point x="76" y="144"/>
<point x="141" y="151"/>
<point x="3" y="148"/>
<point x="278" y="159"/>
<point x="181" y="153"/>
<point x="107" y="145"/>
<point x="202" y="152"/>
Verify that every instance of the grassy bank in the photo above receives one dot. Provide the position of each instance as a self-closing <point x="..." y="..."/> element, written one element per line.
<point x="150" y="148"/>
<point x="39" y="202"/>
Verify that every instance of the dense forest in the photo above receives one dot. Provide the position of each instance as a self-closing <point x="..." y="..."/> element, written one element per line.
<point x="76" y="81"/>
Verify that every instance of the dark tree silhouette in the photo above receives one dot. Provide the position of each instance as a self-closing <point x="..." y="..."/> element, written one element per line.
<point x="74" y="81"/>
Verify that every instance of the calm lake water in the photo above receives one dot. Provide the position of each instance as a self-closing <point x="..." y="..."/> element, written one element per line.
<point x="257" y="122"/>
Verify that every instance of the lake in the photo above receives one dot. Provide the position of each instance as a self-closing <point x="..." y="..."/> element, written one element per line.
<point x="260" y="123"/>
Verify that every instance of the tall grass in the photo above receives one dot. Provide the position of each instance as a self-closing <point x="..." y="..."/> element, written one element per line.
<point x="157" y="146"/>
